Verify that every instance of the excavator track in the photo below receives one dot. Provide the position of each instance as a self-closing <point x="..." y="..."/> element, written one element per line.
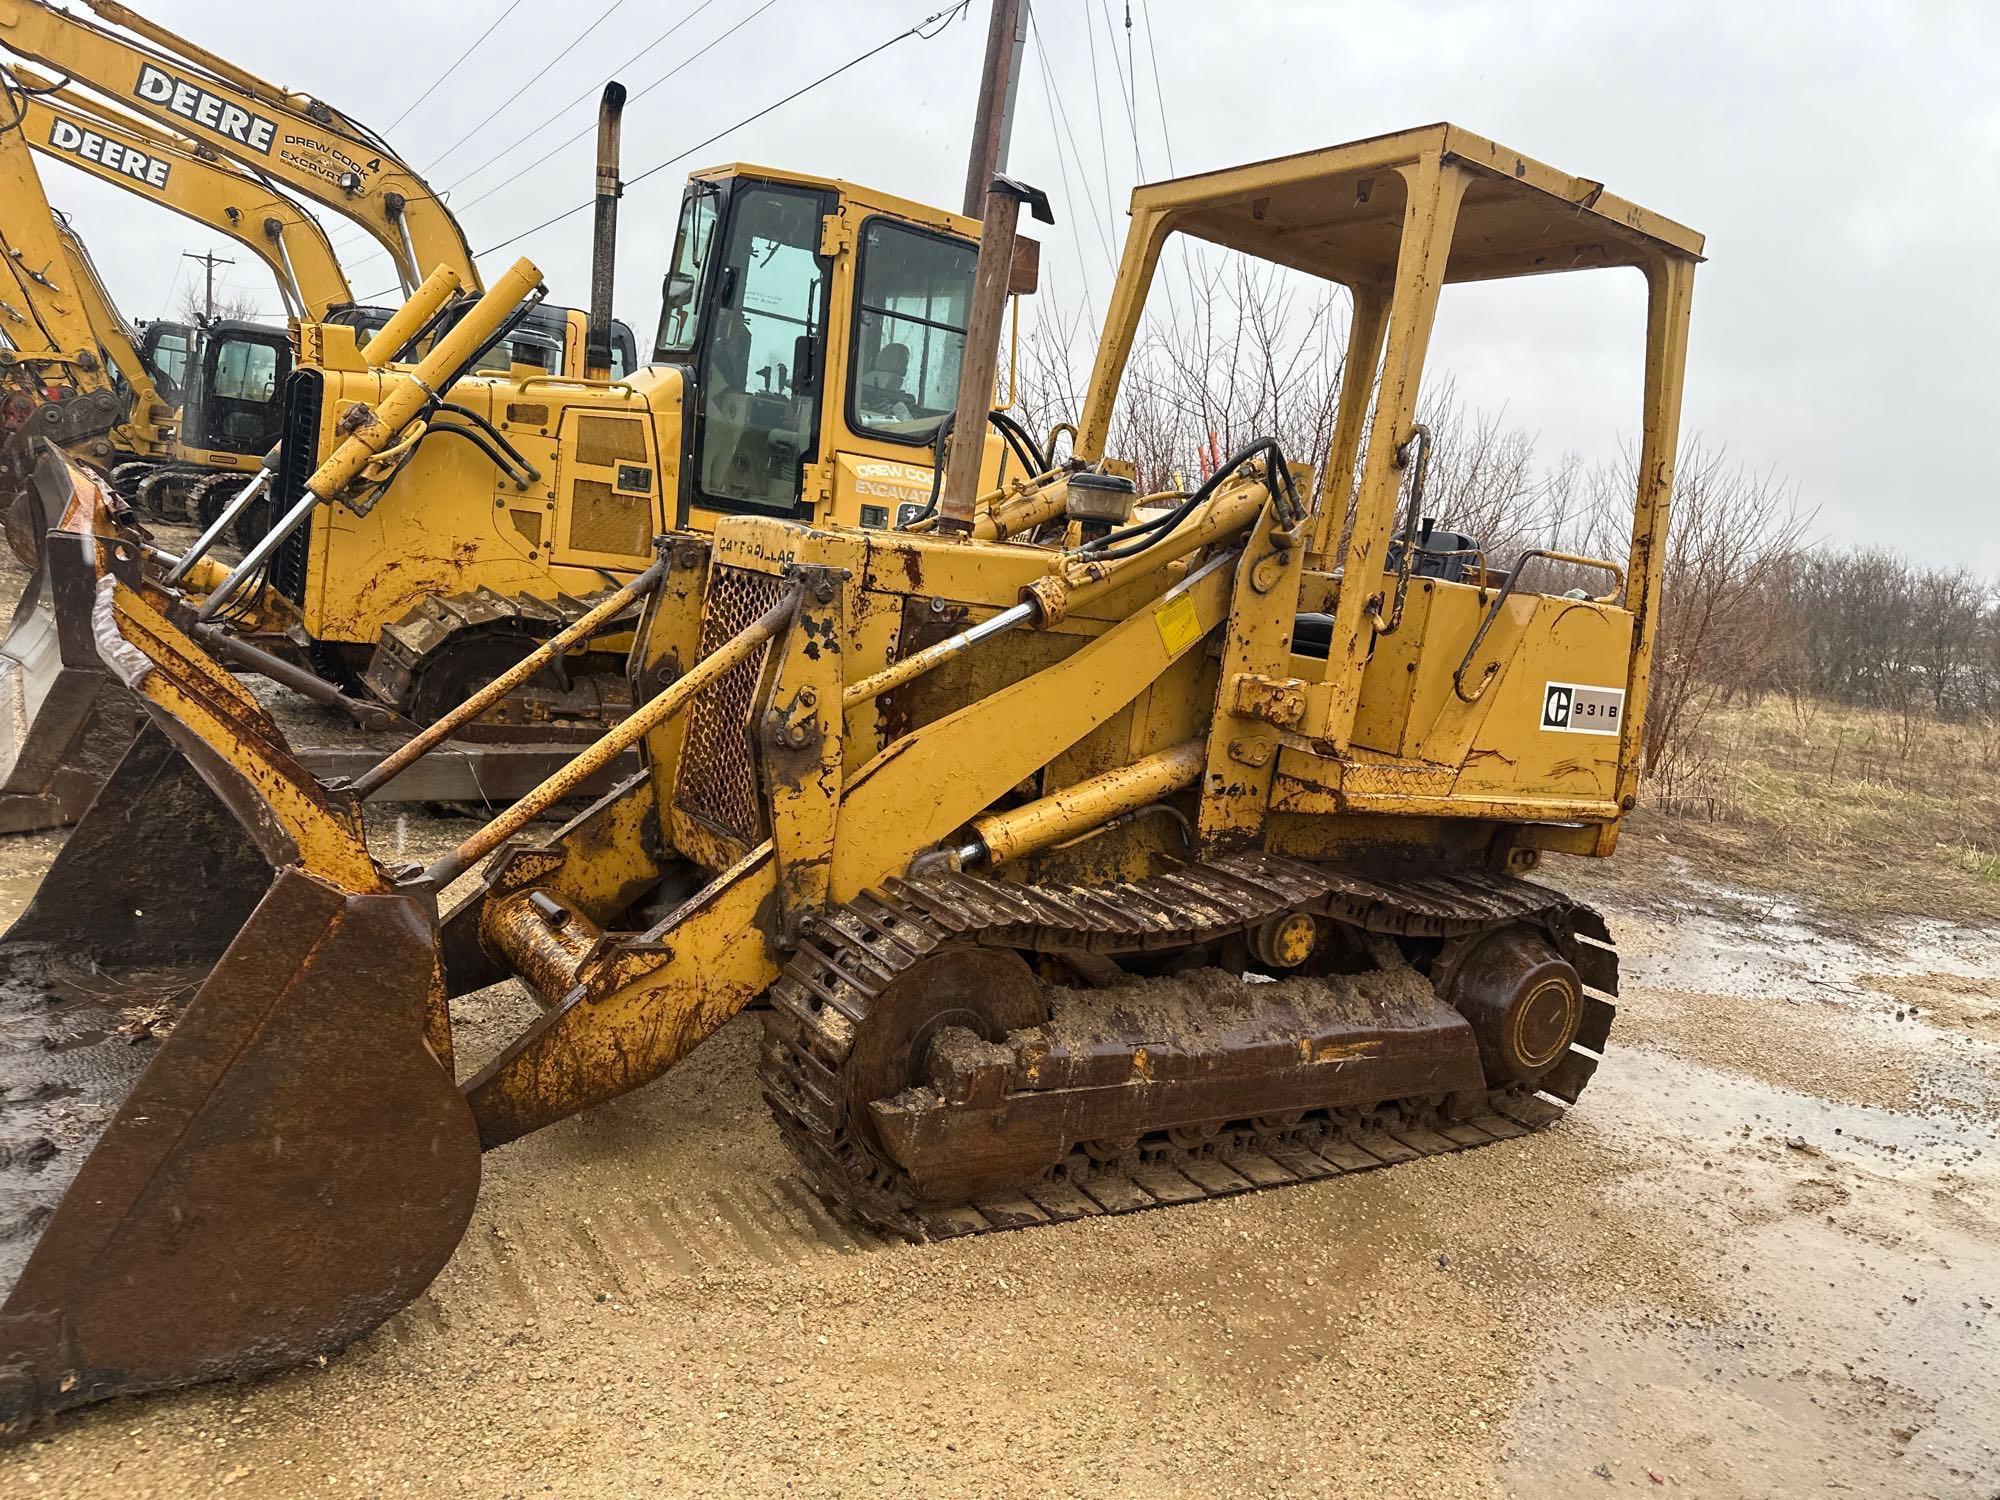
<point x="817" y="1030"/>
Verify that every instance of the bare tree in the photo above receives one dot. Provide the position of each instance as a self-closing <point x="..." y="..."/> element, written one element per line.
<point x="229" y="306"/>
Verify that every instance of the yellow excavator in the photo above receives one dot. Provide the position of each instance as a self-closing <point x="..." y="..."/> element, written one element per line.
<point x="292" y="142"/>
<point x="1092" y="851"/>
<point x="806" y="360"/>
<point x="55" y="379"/>
<point x="217" y="385"/>
<point x="295" y="143"/>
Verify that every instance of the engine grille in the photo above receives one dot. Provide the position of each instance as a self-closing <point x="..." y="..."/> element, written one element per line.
<point x="602" y="520"/>
<point x="305" y="392"/>
<point x="604" y="441"/>
<point x="718" y="781"/>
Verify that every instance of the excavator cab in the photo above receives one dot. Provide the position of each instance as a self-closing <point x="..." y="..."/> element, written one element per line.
<point x="232" y="406"/>
<point x="168" y="350"/>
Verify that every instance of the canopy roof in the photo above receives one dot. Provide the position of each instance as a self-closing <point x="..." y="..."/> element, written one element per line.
<point x="1338" y="212"/>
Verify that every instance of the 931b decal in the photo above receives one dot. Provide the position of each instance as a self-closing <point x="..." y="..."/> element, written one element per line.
<point x="1575" y="708"/>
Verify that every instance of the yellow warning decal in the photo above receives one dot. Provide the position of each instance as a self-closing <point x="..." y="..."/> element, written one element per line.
<point x="1179" y="622"/>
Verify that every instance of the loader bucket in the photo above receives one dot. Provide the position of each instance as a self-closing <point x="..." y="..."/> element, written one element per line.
<point x="64" y="720"/>
<point x="229" y="1133"/>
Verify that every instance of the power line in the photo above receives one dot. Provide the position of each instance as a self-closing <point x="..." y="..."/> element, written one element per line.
<point x="937" y="20"/>
<point x="557" y="114"/>
<point x="691" y="58"/>
<point x="361" y="235"/>
<point x="1098" y="219"/>
<point x="439" y="81"/>
<point x="533" y="79"/>
<point x="1062" y="167"/>
<point x="1159" y="93"/>
<point x="1127" y="87"/>
<point x="1097" y="102"/>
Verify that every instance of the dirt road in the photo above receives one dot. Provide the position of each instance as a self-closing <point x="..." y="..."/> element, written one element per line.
<point x="1760" y="1259"/>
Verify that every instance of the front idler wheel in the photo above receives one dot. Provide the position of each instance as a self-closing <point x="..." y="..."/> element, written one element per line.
<point x="1524" y="1002"/>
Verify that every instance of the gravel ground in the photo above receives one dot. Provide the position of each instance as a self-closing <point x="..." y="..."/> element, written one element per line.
<point x="1760" y="1259"/>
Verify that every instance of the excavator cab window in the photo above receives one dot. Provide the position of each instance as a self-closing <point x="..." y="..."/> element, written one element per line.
<point x="232" y="403"/>
<point x="680" y="295"/>
<point x="909" y="330"/>
<point x="761" y="349"/>
<point x="166" y="349"/>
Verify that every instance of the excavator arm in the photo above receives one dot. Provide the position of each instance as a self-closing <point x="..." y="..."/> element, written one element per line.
<point x="164" y="167"/>
<point x="54" y="328"/>
<point x="149" y="423"/>
<point x="291" y="139"/>
<point x="54" y="381"/>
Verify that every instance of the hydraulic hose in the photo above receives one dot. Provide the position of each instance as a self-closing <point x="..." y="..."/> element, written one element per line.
<point x="1135" y="539"/>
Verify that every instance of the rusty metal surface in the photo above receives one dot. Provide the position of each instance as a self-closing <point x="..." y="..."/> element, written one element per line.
<point x="998" y="1126"/>
<point x="227" y="1146"/>
<point x="438" y="654"/>
<point x="718" y="781"/>
<point x="64" y="720"/>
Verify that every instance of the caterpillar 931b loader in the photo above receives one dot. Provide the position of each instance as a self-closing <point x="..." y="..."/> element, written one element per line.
<point x="1092" y="851"/>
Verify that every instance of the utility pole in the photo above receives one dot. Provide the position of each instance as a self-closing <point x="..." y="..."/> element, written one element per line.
<point x="995" y="200"/>
<point x="209" y="261"/>
<point x="993" y="123"/>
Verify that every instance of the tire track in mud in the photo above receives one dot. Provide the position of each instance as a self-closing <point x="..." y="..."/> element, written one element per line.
<point x="517" y="1265"/>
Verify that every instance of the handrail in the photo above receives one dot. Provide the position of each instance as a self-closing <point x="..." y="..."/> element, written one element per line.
<point x="1506" y="591"/>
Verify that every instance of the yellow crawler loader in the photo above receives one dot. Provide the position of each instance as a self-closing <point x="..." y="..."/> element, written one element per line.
<point x="1092" y="851"/>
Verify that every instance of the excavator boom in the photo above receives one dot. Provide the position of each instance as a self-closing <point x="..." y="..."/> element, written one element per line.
<point x="167" y="169"/>
<point x="297" y="141"/>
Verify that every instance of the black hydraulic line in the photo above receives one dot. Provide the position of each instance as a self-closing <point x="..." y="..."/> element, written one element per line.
<point x="1021" y="441"/>
<point x="1132" y="540"/>
<point x="430" y="326"/>
<point x="938" y="440"/>
<point x="474" y="437"/>
<point x="523" y="470"/>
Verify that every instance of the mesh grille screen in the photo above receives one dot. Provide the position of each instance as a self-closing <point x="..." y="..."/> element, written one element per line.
<point x="605" y="441"/>
<point x="718" y="771"/>
<point x="602" y="520"/>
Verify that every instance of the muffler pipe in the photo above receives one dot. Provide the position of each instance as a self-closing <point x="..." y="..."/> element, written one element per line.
<point x="604" y="233"/>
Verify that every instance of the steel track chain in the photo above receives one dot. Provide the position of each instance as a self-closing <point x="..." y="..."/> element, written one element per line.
<point x="847" y="957"/>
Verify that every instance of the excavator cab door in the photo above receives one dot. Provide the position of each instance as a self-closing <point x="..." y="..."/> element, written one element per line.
<point x="234" y="404"/>
<point x="168" y="349"/>
<point x="746" y="310"/>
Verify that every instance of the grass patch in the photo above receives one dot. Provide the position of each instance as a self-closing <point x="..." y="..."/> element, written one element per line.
<point x="1858" y="810"/>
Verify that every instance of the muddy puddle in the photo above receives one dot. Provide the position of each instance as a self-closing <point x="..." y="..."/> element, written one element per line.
<point x="1820" y="1106"/>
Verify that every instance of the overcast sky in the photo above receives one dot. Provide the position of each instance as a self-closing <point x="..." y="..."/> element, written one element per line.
<point x="1841" y="159"/>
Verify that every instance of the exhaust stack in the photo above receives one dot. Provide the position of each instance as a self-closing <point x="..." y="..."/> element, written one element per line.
<point x="604" y="233"/>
